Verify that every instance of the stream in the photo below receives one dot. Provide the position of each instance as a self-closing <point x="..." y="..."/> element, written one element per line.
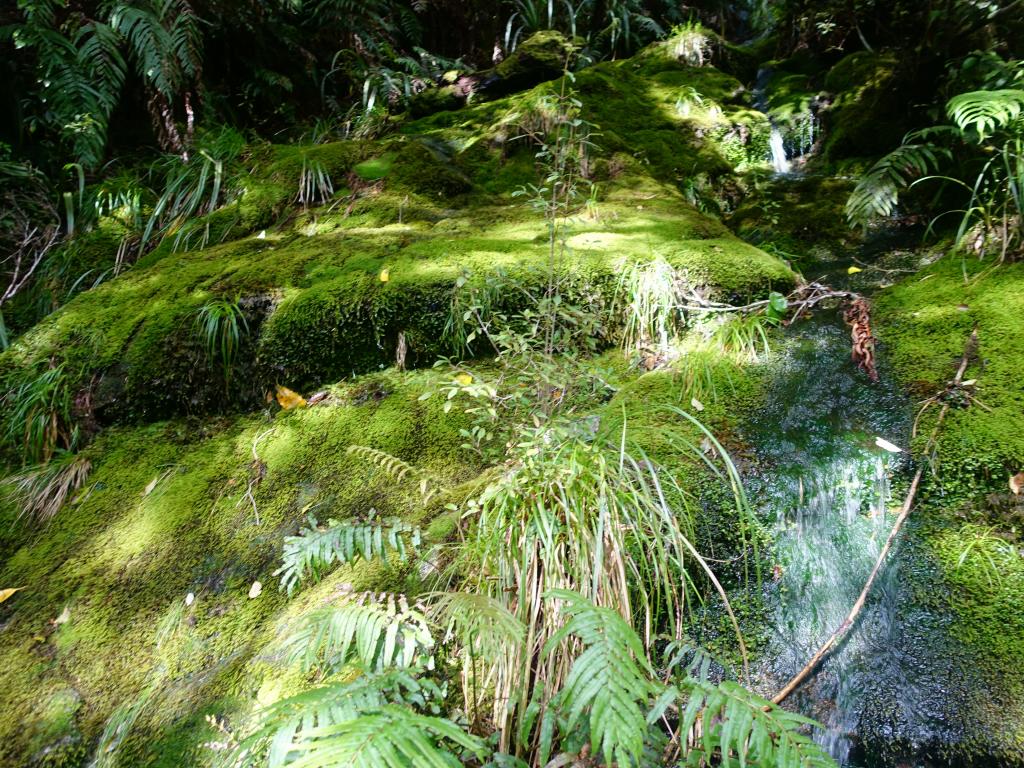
<point x="827" y="493"/>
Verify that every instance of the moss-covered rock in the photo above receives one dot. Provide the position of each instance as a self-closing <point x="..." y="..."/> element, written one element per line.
<point x="868" y="112"/>
<point x="543" y="56"/>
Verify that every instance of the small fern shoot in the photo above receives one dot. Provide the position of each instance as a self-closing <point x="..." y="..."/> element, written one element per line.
<point x="398" y="469"/>
<point x="315" y="549"/>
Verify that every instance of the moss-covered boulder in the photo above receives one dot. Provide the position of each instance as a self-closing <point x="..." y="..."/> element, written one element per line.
<point x="867" y="115"/>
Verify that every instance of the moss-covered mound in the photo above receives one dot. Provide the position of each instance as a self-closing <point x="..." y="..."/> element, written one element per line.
<point x="104" y="616"/>
<point x="327" y="290"/>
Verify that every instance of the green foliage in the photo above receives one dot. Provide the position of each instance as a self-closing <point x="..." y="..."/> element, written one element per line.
<point x="399" y="470"/>
<point x="987" y="124"/>
<point x="389" y="737"/>
<point x="37" y="415"/>
<point x="308" y="555"/>
<point x="609" y="683"/>
<point x="741" y="728"/>
<point x="378" y="631"/>
<point x="222" y="326"/>
<point x="877" y="191"/>
<point x="40" y="491"/>
<point x="290" y="727"/>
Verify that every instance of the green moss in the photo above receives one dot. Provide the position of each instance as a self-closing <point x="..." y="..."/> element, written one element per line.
<point x="924" y="323"/>
<point x="122" y="558"/>
<point x="545" y="55"/>
<point x="867" y="116"/>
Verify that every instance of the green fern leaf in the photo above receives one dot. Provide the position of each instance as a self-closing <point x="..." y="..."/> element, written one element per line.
<point x="986" y="111"/>
<point x="379" y="631"/>
<point x="610" y="682"/>
<point x="309" y="554"/>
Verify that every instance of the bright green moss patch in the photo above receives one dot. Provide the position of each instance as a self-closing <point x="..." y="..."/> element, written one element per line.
<point x="122" y="558"/>
<point x="924" y="323"/>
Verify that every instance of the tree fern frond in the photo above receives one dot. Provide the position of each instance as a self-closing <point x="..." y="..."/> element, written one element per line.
<point x="315" y="549"/>
<point x="986" y="111"/>
<point x="610" y="681"/>
<point x="377" y="630"/>
<point x="877" y="193"/>
<point x="399" y="470"/>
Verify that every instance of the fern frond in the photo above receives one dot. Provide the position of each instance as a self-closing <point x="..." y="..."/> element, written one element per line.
<point x="278" y="729"/>
<point x="377" y="630"/>
<point x="877" y="193"/>
<point x="390" y="737"/>
<point x="481" y="623"/>
<point x="610" y="682"/>
<point x="739" y="725"/>
<point x="399" y="470"/>
<point x="986" y="111"/>
<point x="315" y="549"/>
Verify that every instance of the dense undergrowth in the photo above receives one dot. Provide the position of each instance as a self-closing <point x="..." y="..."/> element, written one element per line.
<point x="180" y="518"/>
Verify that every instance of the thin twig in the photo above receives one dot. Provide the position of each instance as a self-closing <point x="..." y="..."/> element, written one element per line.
<point x="904" y="513"/>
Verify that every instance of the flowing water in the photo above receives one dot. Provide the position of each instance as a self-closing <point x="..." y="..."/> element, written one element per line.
<point x="827" y="488"/>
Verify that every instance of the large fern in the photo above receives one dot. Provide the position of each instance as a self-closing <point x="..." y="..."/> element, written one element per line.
<point x="877" y="192"/>
<point x="276" y="733"/>
<point x="609" y="683"/>
<point x="389" y="737"/>
<point x="315" y="549"/>
<point x="736" y="727"/>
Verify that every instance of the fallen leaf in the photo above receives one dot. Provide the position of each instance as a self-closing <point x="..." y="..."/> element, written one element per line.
<point x="969" y="383"/>
<point x="464" y="379"/>
<point x="190" y="598"/>
<point x="962" y="307"/>
<point x="64" y="618"/>
<point x="6" y="593"/>
<point x="385" y="275"/>
<point x="255" y="590"/>
<point x="854" y="270"/>
<point x="1017" y="484"/>
<point x="151" y="486"/>
<point x="697" y="404"/>
<point x="884" y="444"/>
<point x="318" y="397"/>
<point x="262" y="235"/>
<point x="289" y="399"/>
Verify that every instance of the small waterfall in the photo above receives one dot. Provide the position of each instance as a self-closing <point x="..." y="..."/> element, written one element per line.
<point x="778" y="148"/>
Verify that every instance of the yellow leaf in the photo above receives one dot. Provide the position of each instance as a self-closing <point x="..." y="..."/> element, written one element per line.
<point x="6" y="593"/>
<point x="289" y="399"/>
<point x="854" y="270"/>
<point x="385" y="275"/>
<point x="464" y="379"/>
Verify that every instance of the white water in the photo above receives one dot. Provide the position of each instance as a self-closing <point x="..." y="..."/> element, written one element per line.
<point x="827" y="544"/>
<point x="778" y="148"/>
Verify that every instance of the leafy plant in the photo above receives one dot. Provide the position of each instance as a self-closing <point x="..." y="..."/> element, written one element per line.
<point x="37" y="415"/>
<point x="378" y="631"/>
<point x="40" y="491"/>
<point x="648" y="299"/>
<point x="399" y="470"/>
<point x="988" y="125"/>
<point x="316" y="548"/>
<point x="222" y="326"/>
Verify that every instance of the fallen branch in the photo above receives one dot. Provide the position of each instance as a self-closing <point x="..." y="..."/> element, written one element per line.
<point x="908" y="503"/>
